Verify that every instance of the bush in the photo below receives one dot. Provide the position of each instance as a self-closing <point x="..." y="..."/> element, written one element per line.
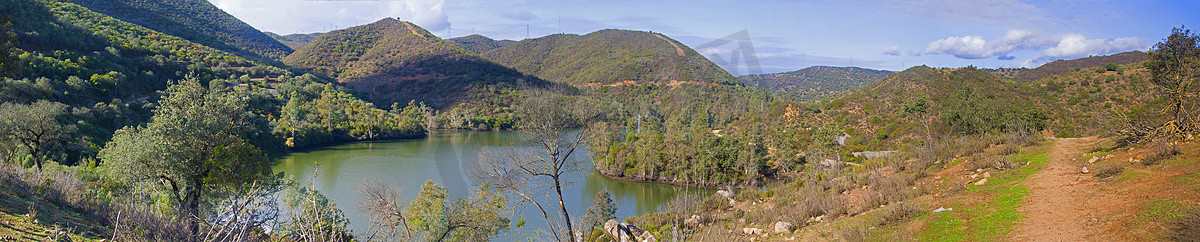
<point x="898" y="212"/>
<point x="1186" y="228"/>
<point x="1112" y="67"/>
<point x="1108" y="171"/>
<point x="1161" y="150"/>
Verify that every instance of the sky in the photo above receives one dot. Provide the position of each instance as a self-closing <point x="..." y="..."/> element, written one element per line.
<point x="782" y="35"/>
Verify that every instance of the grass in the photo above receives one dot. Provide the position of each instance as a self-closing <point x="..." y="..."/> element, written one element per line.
<point x="994" y="218"/>
<point x="1193" y="179"/>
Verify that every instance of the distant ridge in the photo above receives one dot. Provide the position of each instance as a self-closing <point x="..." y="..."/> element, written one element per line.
<point x="1063" y="66"/>
<point x="479" y="44"/>
<point x="607" y="57"/>
<point x="295" y="41"/>
<point x="818" y="81"/>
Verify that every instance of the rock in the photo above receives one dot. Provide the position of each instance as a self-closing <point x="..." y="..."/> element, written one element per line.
<point x="979" y="170"/>
<point x="626" y="232"/>
<point x="693" y="221"/>
<point x="942" y="209"/>
<point x="726" y="194"/>
<point x="981" y="182"/>
<point x="782" y="227"/>
<point x="1093" y="160"/>
<point x="816" y="219"/>
<point x="987" y="175"/>
<point x="753" y="231"/>
<point x="1085" y="170"/>
<point x="974" y="176"/>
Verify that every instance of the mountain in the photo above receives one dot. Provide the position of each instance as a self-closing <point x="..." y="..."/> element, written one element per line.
<point x="295" y="41"/>
<point x="195" y="20"/>
<point x="818" y="81"/>
<point x="610" y="57"/>
<point x="479" y="44"/>
<point x="396" y="61"/>
<point x="1063" y="66"/>
<point x="86" y="56"/>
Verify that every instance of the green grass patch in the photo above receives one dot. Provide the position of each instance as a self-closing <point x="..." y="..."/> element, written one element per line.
<point x="1131" y="174"/>
<point x="1193" y="179"/>
<point x="991" y="220"/>
<point x="1165" y="210"/>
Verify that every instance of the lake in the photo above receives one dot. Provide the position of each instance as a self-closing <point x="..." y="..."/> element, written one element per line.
<point x="445" y="157"/>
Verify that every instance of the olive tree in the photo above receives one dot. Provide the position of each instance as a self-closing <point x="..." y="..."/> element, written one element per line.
<point x="35" y="126"/>
<point x="194" y="149"/>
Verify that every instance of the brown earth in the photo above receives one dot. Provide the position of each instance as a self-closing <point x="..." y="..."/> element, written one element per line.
<point x="1056" y="208"/>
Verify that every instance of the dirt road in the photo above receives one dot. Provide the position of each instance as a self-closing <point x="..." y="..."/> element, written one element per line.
<point x="1056" y="208"/>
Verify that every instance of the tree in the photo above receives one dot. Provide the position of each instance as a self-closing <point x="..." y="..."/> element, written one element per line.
<point x="313" y="218"/>
<point x="35" y="126"/>
<point x="195" y="148"/>
<point x="1174" y="65"/>
<point x="546" y="158"/>
<point x="383" y="204"/>
<point x="602" y="210"/>
<point x="475" y="218"/>
<point x="8" y="43"/>
<point x="919" y="108"/>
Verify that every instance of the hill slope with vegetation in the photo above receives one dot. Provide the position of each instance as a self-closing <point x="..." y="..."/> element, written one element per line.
<point x="609" y="57"/>
<point x="817" y="82"/>
<point x="393" y="61"/>
<point x="195" y="20"/>
<point x="479" y="44"/>
<point x="1064" y="66"/>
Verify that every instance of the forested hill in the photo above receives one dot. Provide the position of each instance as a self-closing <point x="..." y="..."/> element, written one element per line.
<point x="818" y="81"/>
<point x="295" y="41"/>
<point x="397" y="61"/>
<point x="195" y="20"/>
<point x="609" y="57"/>
<point x="479" y="44"/>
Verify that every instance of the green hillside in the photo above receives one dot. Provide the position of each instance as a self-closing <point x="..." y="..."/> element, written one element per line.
<point x="610" y="57"/>
<point x="479" y="44"/>
<point x="395" y="61"/>
<point x="295" y="41"/>
<point x="818" y="81"/>
<point x="195" y="20"/>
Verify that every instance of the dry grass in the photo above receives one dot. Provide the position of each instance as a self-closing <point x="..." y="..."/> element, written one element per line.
<point x="1109" y="170"/>
<point x="898" y="212"/>
<point x="1161" y="150"/>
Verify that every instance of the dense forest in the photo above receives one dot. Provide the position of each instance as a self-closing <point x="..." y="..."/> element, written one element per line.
<point x="142" y="120"/>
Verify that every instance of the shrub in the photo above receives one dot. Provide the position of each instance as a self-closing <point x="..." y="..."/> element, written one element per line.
<point x="1112" y="67"/>
<point x="898" y="212"/>
<point x="1108" y="171"/>
<point x="1160" y="150"/>
<point x="1186" y="228"/>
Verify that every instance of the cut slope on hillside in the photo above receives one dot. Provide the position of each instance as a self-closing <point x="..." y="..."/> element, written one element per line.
<point x="295" y="41"/>
<point x="390" y="63"/>
<point x="818" y="81"/>
<point x="195" y="20"/>
<point x="610" y="57"/>
<point x="1063" y="66"/>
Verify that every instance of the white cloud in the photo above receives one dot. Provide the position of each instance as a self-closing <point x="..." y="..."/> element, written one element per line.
<point x="286" y="17"/>
<point x="975" y="47"/>
<point x="1075" y="45"/>
<point x="892" y="50"/>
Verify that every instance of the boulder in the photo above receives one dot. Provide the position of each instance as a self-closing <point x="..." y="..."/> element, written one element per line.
<point x="692" y="221"/>
<point x="783" y="227"/>
<point x="627" y="232"/>
<point x="981" y="182"/>
<point x="726" y="194"/>
<point x="1085" y="170"/>
<point x="987" y="175"/>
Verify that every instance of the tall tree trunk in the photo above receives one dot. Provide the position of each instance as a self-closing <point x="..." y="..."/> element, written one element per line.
<point x="563" y="207"/>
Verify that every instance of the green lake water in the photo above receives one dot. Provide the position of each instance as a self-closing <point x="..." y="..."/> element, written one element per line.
<point x="445" y="157"/>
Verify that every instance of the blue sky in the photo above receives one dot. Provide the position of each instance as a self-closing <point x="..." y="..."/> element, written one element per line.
<point x="787" y="35"/>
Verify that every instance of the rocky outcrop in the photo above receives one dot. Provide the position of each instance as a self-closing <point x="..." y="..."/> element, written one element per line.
<point x="627" y="232"/>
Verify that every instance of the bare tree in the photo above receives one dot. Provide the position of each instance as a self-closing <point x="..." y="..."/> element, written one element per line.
<point x="383" y="203"/>
<point x="543" y="159"/>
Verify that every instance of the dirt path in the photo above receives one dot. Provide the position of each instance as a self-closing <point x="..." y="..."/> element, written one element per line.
<point x="678" y="51"/>
<point x="410" y="28"/>
<point x="1057" y="207"/>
